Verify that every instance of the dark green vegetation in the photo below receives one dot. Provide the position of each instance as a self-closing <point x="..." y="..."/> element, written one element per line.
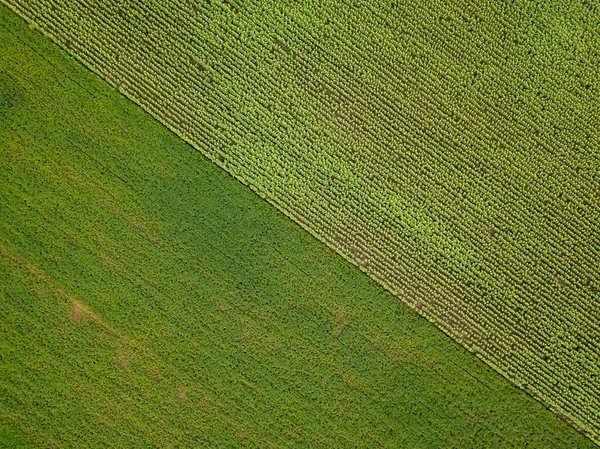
<point x="147" y="299"/>
<point x="449" y="148"/>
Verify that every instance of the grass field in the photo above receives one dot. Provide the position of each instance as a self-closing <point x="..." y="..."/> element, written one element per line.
<point x="450" y="149"/>
<point x="148" y="299"/>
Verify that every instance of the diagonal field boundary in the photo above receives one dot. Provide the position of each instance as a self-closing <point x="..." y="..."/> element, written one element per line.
<point x="449" y="149"/>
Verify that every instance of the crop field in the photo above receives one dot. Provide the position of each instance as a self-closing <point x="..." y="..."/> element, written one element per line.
<point x="450" y="149"/>
<point x="148" y="299"/>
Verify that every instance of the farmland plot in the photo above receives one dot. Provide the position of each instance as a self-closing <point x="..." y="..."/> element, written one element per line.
<point x="448" y="149"/>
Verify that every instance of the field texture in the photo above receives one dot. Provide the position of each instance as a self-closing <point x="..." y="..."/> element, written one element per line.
<point x="148" y="299"/>
<point x="449" y="148"/>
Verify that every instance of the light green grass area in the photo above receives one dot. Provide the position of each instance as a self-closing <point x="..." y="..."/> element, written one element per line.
<point x="148" y="299"/>
<point x="449" y="148"/>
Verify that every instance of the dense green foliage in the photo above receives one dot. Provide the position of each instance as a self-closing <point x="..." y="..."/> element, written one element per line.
<point x="448" y="148"/>
<point x="147" y="299"/>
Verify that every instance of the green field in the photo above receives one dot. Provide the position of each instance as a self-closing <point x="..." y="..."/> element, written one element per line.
<point x="148" y="299"/>
<point x="450" y="149"/>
